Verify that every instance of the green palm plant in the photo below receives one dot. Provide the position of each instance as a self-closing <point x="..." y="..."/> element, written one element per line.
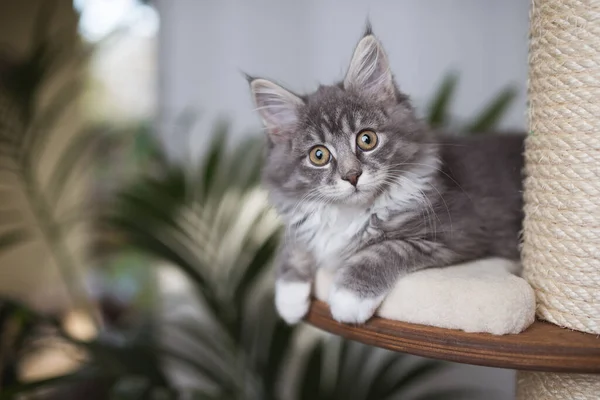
<point x="31" y="136"/>
<point x="210" y="221"/>
<point x="438" y="113"/>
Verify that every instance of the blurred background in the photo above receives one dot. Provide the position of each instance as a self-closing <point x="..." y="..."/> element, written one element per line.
<point x="135" y="241"/>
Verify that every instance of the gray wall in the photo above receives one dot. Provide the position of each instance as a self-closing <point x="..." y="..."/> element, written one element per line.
<point x="205" y="44"/>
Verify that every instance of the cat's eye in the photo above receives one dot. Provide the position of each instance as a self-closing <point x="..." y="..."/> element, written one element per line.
<point x="319" y="156"/>
<point x="366" y="140"/>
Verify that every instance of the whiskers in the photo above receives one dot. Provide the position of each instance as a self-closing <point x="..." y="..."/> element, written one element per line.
<point x="394" y="175"/>
<point x="316" y="198"/>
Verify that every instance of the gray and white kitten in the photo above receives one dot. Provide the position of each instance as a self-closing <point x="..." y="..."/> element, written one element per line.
<point x="366" y="189"/>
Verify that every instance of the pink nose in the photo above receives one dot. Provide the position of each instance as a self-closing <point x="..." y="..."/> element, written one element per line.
<point x="352" y="177"/>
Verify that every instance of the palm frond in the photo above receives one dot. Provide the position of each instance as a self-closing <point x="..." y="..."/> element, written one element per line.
<point x="353" y="358"/>
<point x="395" y="381"/>
<point x="71" y="165"/>
<point x="260" y="258"/>
<point x="455" y="394"/>
<point x="211" y="169"/>
<point x="12" y="238"/>
<point x="279" y="349"/>
<point x="81" y="375"/>
<point x="492" y="112"/>
<point x="438" y="110"/>
<point x="310" y="386"/>
<point x="27" y="129"/>
<point x="39" y="129"/>
<point x="385" y="378"/>
<point x="439" y="116"/>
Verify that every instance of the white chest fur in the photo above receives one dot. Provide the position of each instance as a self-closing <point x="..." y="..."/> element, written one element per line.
<point x="329" y="232"/>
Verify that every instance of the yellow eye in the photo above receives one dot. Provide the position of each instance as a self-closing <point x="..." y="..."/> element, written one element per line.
<point x="319" y="156"/>
<point x="366" y="140"/>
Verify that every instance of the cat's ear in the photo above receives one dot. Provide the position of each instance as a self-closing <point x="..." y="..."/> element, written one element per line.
<point x="277" y="107"/>
<point x="369" y="70"/>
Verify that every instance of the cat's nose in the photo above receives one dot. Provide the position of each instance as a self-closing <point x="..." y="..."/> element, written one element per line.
<point x="352" y="177"/>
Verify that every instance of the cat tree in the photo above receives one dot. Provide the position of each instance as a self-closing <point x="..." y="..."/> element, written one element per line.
<point x="557" y="357"/>
<point x="561" y="249"/>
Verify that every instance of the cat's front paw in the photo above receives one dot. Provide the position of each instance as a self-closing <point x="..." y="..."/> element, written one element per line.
<point x="292" y="300"/>
<point x="348" y="307"/>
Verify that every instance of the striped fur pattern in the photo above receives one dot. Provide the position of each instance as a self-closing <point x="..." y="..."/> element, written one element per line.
<point x="422" y="200"/>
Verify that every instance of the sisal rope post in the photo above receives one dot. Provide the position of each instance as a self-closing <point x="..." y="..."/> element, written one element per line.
<point x="561" y="230"/>
<point x="550" y="386"/>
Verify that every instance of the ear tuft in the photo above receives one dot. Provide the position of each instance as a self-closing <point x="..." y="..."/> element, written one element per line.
<point x="249" y="78"/>
<point x="277" y="107"/>
<point x="369" y="70"/>
<point x="368" y="28"/>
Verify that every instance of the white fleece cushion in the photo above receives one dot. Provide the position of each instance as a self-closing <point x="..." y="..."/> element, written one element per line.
<point x="479" y="296"/>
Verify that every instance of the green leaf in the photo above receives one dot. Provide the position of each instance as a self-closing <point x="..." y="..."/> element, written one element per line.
<point x="168" y="248"/>
<point x="310" y="384"/>
<point x="353" y="377"/>
<point x="205" y="368"/>
<point x="455" y="394"/>
<point x="200" y="394"/>
<point x="147" y="214"/>
<point x="258" y="322"/>
<point x="342" y="364"/>
<point x="12" y="238"/>
<point x="381" y="382"/>
<point x="146" y="145"/>
<point x="213" y="340"/>
<point x="164" y="196"/>
<point x="127" y="357"/>
<point x="85" y="374"/>
<point x="492" y="113"/>
<point x="245" y="165"/>
<point x="40" y="131"/>
<point x="440" y="104"/>
<point x="260" y="260"/>
<point x="151" y="210"/>
<point x="280" y="345"/>
<point x="214" y="158"/>
<point x="131" y="388"/>
<point x="8" y="144"/>
<point x="353" y="358"/>
<point x="416" y="374"/>
<point x="70" y="162"/>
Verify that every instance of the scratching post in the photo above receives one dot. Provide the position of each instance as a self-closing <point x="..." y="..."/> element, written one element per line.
<point x="561" y="249"/>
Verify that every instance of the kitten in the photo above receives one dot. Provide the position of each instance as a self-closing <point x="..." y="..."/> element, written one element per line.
<point x="366" y="189"/>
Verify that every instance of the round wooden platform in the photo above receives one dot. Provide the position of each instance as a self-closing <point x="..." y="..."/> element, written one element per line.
<point x="542" y="347"/>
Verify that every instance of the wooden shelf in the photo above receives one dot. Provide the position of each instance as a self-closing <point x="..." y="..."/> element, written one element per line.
<point x="542" y="347"/>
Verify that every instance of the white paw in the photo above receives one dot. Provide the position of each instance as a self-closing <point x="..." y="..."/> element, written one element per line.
<point x="350" y="308"/>
<point x="292" y="300"/>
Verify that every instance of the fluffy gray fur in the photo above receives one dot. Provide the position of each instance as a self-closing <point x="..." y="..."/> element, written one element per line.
<point x="421" y="200"/>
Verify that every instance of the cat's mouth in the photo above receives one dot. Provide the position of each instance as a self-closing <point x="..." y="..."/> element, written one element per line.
<point x="358" y="196"/>
<point x="363" y="194"/>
